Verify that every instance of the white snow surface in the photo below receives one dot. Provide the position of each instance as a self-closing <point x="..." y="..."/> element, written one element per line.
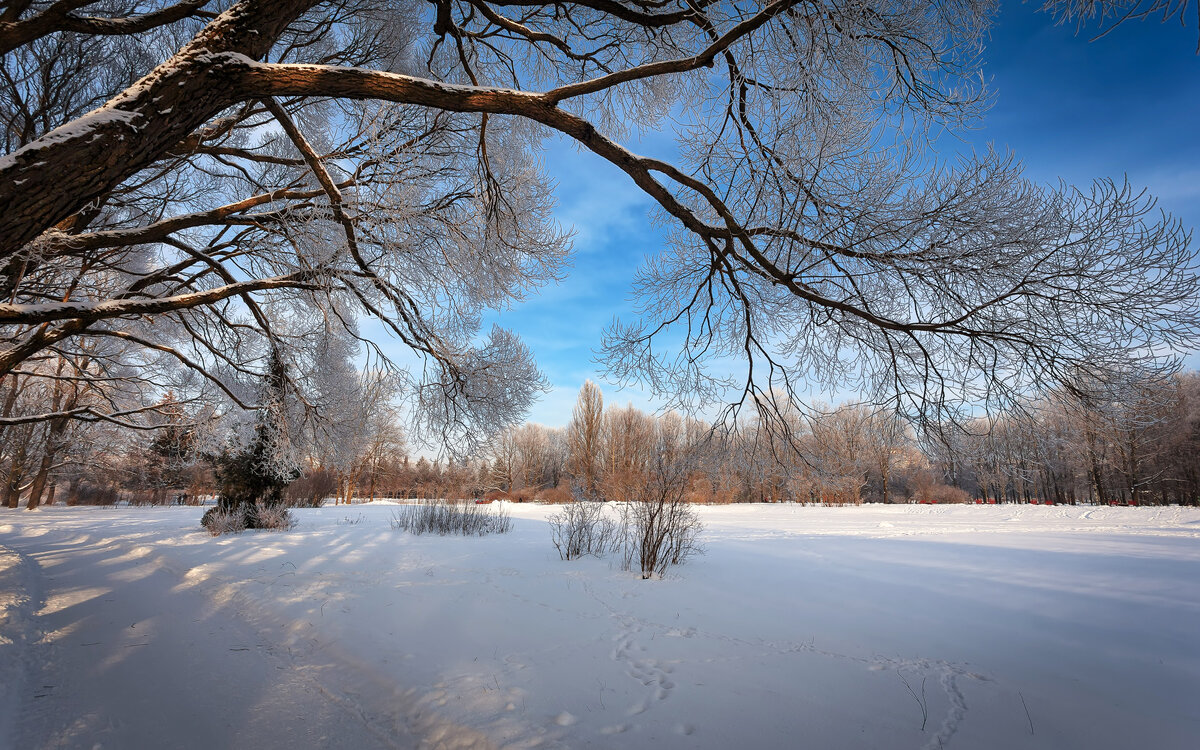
<point x="997" y="627"/>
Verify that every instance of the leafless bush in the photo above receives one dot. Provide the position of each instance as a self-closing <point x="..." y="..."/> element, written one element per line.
<point x="582" y="528"/>
<point x="555" y="495"/>
<point x="523" y="495"/>
<point x="220" y="522"/>
<point x="87" y="494"/>
<point x="659" y="531"/>
<point x="927" y="488"/>
<point x="442" y="518"/>
<point x="275" y="518"/>
<point x="311" y="489"/>
<point x="944" y="494"/>
<point x="658" y="526"/>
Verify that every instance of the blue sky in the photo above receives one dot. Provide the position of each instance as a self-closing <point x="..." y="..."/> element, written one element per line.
<point x="1070" y="108"/>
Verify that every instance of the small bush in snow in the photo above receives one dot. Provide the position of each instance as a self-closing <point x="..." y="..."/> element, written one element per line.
<point x="658" y="529"/>
<point x="582" y="528"/>
<point x="658" y="526"/>
<point x="463" y="518"/>
<point x="276" y="518"/>
<point x="219" y="521"/>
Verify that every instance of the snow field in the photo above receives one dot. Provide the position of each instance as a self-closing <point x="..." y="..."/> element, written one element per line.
<point x="995" y="627"/>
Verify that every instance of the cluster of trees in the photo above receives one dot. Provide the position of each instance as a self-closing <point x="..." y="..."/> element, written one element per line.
<point x="50" y="443"/>
<point x="1145" y="450"/>
<point x="320" y="417"/>
<point x="850" y="454"/>
<point x="1053" y="450"/>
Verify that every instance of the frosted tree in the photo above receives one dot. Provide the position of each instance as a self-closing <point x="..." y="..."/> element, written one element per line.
<point x="251" y="477"/>
<point x="183" y="176"/>
<point x="354" y="418"/>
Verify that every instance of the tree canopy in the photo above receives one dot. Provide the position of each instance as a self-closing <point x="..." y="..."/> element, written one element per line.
<point x="193" y="185"/>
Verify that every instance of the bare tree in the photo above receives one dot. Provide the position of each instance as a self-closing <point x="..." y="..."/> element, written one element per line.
<point x="503" y="471"/>
<point x="533" y="456"/>
<point x="628" y="447"/>
<point x="356" y="414"/>
<point x="584" y="435"/>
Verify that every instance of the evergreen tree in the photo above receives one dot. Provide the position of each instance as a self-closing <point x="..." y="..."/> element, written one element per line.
<point x="255" y="476"/>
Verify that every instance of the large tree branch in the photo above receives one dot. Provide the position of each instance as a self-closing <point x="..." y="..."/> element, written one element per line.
<point x="50" y="179"/>
<point x="85" y="414"/>
<point x="357" y="83"/>
<point x="55" y="176"/>
<point x="17" y="314"/>
<point x="231" y="213"/>
<point x="58" y="17"/>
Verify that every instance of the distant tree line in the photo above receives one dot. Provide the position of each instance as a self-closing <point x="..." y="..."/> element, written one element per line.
<point x="850" y="455"/>
<point x="1145" y="450"/>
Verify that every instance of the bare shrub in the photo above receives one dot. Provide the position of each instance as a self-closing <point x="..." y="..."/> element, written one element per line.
<point x="88" y="494"/>
<point x="275" y="518"/>
<point x="311" y="489"/>
<point x="658" y="526"/>
<point x="219" y="521"/>
<point x="442" y="518"/>
<point x="928" y="488"/>
<point x="582" y="528"/>
<point x="555" y="495"/>
<point x="523" y="495"/>
<point x="659" y="530"/>
<point x="943" y="494"/>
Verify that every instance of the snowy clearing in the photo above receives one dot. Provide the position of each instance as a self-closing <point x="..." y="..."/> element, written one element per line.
<point x="995" y="627"/>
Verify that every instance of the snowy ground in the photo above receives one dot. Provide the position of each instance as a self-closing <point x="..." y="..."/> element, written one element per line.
<point x="1010" y="627"/>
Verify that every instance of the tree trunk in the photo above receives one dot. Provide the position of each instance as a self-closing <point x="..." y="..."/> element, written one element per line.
<point x="1094" y="469"/>
<point x="10" y="399"/>
<point x="884" y="469"/>
<point x="73" y="490"/>
<point x="16" y="471"/>
<point x="39" y="480"/>
<point x="53" y="441"/>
